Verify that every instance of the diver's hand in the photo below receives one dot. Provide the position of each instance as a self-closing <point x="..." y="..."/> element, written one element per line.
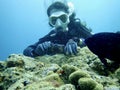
<point x="28" y="52"/>
<point x="70" y="48"/>
<point x="43" y="48"/>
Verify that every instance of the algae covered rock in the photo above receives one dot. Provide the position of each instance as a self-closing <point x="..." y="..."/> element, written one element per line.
<point x="75" y="76"/>
<point x="99" y="87"/>
<point x="117" y="74"/>
<point x="54" y="79"/>
<point x="39" y="86"/>
<point x="112" y="87"/>
<point x="83" y="81"/>
<point x="86" y="84"/>
<point x="57" y="72"/>
<point x="68" y="69"/>
<point x="15" y="61"/>
<point x="89" y="84"/>
<point x="2" y="65"/>
<point x="67" y="87"/>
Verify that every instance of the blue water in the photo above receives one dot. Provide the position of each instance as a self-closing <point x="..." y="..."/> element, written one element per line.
<point x="23" y="22"/>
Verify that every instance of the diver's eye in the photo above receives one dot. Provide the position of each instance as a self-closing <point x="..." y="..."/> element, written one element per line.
<point x="63" y="18"/>
<point x="53" y="20"/>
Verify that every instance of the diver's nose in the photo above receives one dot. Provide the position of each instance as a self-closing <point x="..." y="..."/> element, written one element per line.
<point x="58" y="23"/>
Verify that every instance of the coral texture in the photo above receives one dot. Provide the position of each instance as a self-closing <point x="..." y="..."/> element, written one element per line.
<point x="57" y="72"/>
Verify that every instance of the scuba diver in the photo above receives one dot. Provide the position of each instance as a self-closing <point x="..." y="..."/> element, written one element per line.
<point x="66" y="35"/>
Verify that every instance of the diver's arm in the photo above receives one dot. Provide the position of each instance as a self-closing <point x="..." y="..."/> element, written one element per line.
<point x="44" y="46"/>
<point x="31" y="50"/>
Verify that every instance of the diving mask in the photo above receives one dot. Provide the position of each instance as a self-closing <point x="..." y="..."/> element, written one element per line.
<point x="59" y="19"/>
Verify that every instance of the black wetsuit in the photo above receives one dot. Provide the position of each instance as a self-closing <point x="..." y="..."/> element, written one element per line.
<point x="75" y="31"/>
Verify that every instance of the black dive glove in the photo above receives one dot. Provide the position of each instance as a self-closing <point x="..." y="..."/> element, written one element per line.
<point x="43" y="48"/>
<point x="70" y="48"/>
<point x="28" y="52"/>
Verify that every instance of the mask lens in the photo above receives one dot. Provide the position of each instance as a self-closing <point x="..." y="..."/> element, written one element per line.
<point x="53" y="20"/>
<point x="63" y="18"/>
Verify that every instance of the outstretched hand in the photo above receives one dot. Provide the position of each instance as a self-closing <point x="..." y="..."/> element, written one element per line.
<point x="70" y="48"/>
<point x="43" y="48"/>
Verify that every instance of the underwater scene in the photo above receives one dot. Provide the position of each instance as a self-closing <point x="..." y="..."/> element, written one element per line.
<point x="59" y="45"/>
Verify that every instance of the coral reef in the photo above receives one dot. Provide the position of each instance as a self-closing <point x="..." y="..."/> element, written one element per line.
<point x="75" y="76"/>
<point x="89" y="84"/>
<point x="57" y="72"/>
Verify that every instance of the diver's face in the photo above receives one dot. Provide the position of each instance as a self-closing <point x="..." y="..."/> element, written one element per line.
<point x="59" y="20"/>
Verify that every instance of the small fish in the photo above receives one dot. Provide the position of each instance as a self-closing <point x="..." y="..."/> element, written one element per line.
<point x="105" y="45"/>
